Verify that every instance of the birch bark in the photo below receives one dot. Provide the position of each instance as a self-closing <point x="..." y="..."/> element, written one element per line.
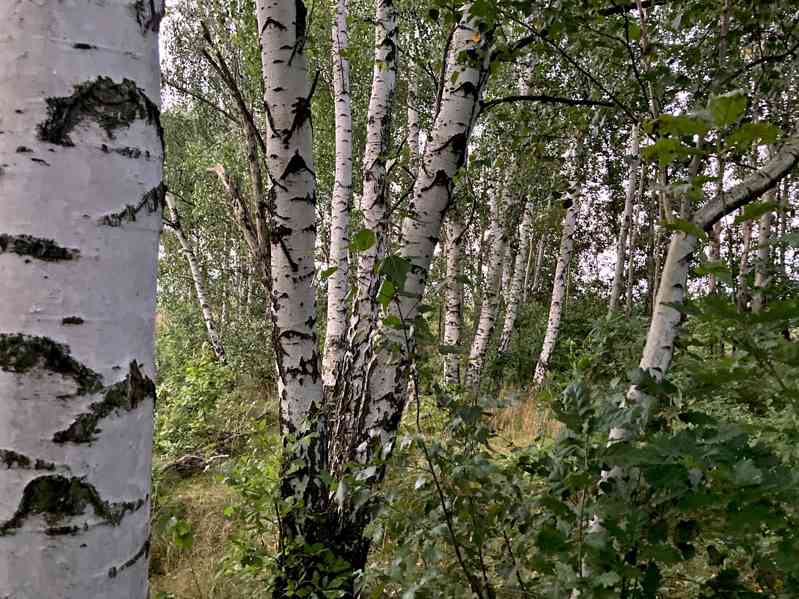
<point x="453" y="319"/>
<point x="492" y="288"/>
<point x="81" y="216"/>
<point x="629" y="200"/>
<point x="197" y="278"/>
<point x="517" y="280"/>
<point x="337" y="309"/>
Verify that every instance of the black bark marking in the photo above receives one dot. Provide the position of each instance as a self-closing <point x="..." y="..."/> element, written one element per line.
<point x="15" y="460"/>
<point x="151" y="200"/>
<point x="57" y="497"/>
<point x="36" y="247"/>
<point x="84" y="46"/>
<point x="143" y="552"/>
<point x="40" y="161"/>
<point x="22" y="353"/>
<point x="111" y="105"/>
<point x="23" y="150"/>
<point x="149" y="14"/>
<point x="71" y="320"/>
<point x="125" y="395"/>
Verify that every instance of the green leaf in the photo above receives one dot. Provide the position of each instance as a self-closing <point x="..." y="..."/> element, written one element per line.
<point x="666" y="150"/>
<point x="747" y="134"/>
<point x="755" y="211"/>
<point x="327" y="273"/>
<point x="551" y="540"/>
<point x="682" y="125"/>
<point x="386" y="293"/>
<point x="396" y="269"/>
<point x="451" y="349"/>
<point x="392" y="322"/>
<point x="685" y="226"/>
<point x="363" y="240"/>
<point x="727" y="108"/>
<point x="746" y="474"/>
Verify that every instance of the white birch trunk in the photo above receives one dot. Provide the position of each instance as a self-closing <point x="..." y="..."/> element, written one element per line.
<point x="629" y="201"/>
<point x="197" y="278"/>
<point x="558" y="289"/>
<point x="742" y="297"/>
<point x="453" y="299"/>
<point x="492" y="290"/>
<point x="517" y="281"/>
<point x="444" y="154"/>
<point x="664" y="325"/>
<point x="413" y="126"/>
<point x="293" y="201"/>
<point x="374" y="206"/>
<point x="81" y="213"/>
<point x="762" y="261"/>
<point x="337" y="309"/>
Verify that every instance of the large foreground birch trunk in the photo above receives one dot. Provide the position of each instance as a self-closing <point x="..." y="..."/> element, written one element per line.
<point x="81" y="216"/>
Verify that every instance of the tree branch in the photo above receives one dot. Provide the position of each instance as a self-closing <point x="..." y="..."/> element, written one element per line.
<point x="544" y="99"/>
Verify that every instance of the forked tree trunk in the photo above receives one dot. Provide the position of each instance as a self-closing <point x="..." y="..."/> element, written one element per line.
<point x="337" y="309"/>
<point x="492" y="288"/>
<point x="664" y="326"/>
<point x="517" y="280"/>
<point x="81" y="215"/>
<point x="196" y="277"/>
<point x="453" y="298"/>
<point x="629" y="201"/>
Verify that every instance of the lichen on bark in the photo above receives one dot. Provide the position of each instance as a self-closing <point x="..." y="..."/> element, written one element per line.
<point x="125" y="395"/>
<point x="57" y="498"/>
<point x="110" y="104"/>
<point x="36" y="247"/>
<point x="22" y="353"/>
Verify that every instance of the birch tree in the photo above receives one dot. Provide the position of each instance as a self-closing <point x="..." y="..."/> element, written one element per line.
<point x="337" y="282"/>
<point x="453" y="315"/>
<point x="517" y="280"/>
<point x="626" y="221"/>
<point x="197" y="277"/>
<point x="81" y="212"/>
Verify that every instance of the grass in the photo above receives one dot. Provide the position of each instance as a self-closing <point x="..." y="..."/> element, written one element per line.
<point x="190" y="570"/>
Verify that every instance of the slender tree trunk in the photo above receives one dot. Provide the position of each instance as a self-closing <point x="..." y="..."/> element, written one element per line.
<point x="628" y="307"/>
<point x="292" y="197"/>
<point x="197" y="277"/>
<point x="492" y="289"/>
<point x="559" y="282"/>
<point x="517" y="280"/>
<point x="763" y="261"/>
<point x="742" y="297"/>
<point x="629" y="201"/>
<point x="79" y="250"/>
<point x="413" y="126"/>
<point x="337" y="309"/>
<point x="374" y="207"/>
<point x="539" y="263"/>
<point x="453" y="319"/>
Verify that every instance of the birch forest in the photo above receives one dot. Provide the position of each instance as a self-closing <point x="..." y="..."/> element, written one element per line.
<point x="363" y="299"/>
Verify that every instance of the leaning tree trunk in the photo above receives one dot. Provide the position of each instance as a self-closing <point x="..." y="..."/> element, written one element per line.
<point x="492" y="288"/>
<point x="517" y="280"/>
<point x="337" y="309"/>
<point x="629" y="200"/>
<point x="292" y="199"/>
<point x="453" y="299"/>
<point x="81" y="185"/>
<point x="197" y="277"/>
<point x="664" y="325"/>
<point x="558" y="284"/>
